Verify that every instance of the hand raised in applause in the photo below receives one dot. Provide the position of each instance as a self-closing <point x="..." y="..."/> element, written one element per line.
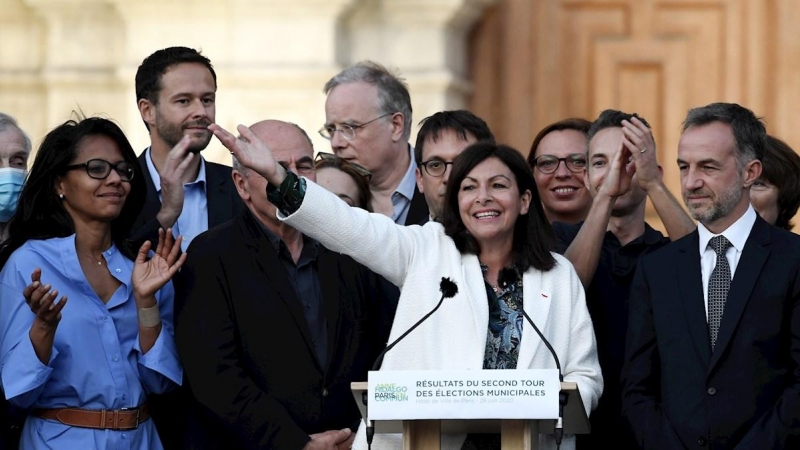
<point x="150" y="275"/>
<point x="174" y="174"/>
<point x="41" y="300"/>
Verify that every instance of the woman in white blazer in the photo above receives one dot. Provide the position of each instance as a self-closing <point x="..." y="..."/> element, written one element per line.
<point x="492" y="224"/>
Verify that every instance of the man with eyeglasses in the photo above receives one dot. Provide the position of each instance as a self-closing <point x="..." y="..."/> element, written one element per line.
<point x="368" y="121"/>
<point x="441" y="138"/>
<point x="605" y="249"/>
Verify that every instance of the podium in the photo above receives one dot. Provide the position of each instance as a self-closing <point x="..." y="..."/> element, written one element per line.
<point x="516" y="434"/>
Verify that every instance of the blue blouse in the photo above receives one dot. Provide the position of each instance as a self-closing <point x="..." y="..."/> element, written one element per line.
<point x="96" y="362"/>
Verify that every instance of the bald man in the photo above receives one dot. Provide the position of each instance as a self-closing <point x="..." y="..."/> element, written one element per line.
<point x="275" y="326"/>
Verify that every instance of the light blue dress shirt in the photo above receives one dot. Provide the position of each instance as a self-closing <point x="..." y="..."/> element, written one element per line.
<point x="194" y="216"/>
<point x="401" y="197"/>
<point x="96" y="362"/>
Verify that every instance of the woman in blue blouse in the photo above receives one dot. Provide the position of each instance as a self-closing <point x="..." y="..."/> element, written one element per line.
<point x="95" y="334"/>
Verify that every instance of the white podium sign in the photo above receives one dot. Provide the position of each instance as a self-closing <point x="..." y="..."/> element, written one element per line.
<point x="463" y="394"/>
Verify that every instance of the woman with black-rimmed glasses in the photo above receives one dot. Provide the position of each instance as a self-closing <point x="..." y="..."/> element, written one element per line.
<point x="85" y="320"/>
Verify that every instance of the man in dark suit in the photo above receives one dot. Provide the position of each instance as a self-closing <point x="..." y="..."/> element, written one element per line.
<point x="368" y="121"/>
<point x="176" y="92"/>
<point x="275" y="326"/>
<point x="713" y="346"/>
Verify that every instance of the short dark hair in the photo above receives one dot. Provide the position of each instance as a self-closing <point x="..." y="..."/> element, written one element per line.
<point x="533" y="236"/>
<point x="459" y="121"/>
<point x="362" y="183"/>
<point x="574" y="123"/>
<point x="148" y="76"/>
<point x="781" y="168"/>
<point x="41" y="213"/>
<point x="749" y="131"/>
<point x="393" y="96"/>
<point x="612" y="118"/>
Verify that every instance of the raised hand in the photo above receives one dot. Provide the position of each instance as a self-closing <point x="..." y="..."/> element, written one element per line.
<point x="638" y="139"/>
<point x="620" y="174"/>
<point x="41" y="300"/>
<point x="174" y="174"/>
<point x="251" y="152"/>
<point x="151" y="275"/>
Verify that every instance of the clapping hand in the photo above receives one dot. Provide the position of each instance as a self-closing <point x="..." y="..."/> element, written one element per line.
<point x="41" y="299"/>
<point x="151" y="275"/>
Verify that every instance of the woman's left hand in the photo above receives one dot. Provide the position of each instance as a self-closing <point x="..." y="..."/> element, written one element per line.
<point x="151" y="275"/>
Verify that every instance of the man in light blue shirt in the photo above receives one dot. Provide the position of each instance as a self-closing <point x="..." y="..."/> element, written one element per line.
<point x="176" y="95"/>
<point x="368" y="121"/>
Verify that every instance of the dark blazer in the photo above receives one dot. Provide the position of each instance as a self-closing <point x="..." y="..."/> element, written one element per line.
<point x="223" y="201"/>
<point x="246" y="347"/>
<point x="745" y="394"/>
<point x="418" y="212"/>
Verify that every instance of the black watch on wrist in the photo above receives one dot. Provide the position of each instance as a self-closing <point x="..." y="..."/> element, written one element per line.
<point x="287" y="196"/>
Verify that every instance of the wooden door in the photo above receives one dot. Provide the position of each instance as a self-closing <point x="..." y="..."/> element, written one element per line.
<point x="534" y="62"/>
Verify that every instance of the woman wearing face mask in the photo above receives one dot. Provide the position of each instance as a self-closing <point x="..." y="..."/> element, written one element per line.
<point x="14" y="150"/>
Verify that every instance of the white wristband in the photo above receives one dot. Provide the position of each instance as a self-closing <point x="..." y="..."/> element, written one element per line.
<point x="149" y="317"/>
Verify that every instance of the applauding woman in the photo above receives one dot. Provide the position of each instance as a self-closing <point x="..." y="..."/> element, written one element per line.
<point x="493" y="242"/>
<point x="83" y="361"/>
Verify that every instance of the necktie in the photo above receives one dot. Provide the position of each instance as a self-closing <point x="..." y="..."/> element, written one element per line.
<point x="718" y="285"/>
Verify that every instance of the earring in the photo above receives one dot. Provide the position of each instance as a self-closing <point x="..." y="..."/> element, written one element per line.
<point x="61" y="196"/>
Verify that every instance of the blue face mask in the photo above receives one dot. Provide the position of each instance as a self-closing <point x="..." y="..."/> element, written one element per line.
<point x="11" y="181"/>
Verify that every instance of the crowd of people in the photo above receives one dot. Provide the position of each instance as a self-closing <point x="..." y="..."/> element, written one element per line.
<point x="165" y="301"/>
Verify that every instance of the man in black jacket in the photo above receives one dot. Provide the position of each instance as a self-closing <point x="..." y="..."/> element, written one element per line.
<point x="176" y="94"/>
<point x="275" y="327"/>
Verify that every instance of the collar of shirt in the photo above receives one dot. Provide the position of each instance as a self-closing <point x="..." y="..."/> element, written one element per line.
<point x="405" y="189"/>
<point x="200" y="181"/>
<point x="310" y="246"/>
<point x="737" y="233"/>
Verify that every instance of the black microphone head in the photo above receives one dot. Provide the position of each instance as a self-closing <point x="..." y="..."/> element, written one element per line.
<point x="506" y="277"/>
<point x="448" y="288"/>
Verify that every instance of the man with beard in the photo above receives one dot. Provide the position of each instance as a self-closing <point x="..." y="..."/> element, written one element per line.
<point x="621" y="175"/>
<point x="713" y="346"/>
<point x="176" y="92"/>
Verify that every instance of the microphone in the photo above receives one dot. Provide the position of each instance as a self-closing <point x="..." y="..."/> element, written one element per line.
<point x="449" y="289"/>
<point x="509" y="276"/>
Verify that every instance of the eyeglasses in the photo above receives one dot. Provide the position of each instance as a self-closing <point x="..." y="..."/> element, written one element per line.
<point x="435" y="167"/>
<point x="100" y="169"/>
<point x="348" y="131"/>
<point x="548" y="164"/>
<point x="335" y="160"/>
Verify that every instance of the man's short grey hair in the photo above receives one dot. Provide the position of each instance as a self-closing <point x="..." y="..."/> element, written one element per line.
<point x="237" y="166"/>
<point x="749" y="131"/>
<point x="7" y="121"/>
<point x="393" y="93"/>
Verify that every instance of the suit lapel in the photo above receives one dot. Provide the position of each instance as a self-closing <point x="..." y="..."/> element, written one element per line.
<point x="690" y="284"/>
<point x="418" y="212"/>
<point x="217" y="194"/>
<point x="751" y="262"/>
<point x="152" y="204"/>
<point x="329" y="278"/>
<point x="276" y="275"/>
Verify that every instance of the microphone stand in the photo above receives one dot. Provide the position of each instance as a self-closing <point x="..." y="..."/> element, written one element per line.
<point x="448" y="289"/>
<point x="506" y="277"/>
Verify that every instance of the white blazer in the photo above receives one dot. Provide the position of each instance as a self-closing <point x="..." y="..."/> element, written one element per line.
<point x="415" y="258"/>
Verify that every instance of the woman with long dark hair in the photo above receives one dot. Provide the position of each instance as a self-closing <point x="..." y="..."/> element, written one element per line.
<point x="82" y="345"/>
<point x="494" y="243"/>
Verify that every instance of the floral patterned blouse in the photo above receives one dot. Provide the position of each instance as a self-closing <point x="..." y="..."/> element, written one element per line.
<point x="505" y="324"/>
